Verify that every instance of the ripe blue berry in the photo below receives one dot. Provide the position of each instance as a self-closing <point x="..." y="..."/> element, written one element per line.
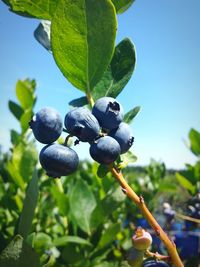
<point x="108" y="112"/>
<point x="58" y="160"/>
<point x="153" y="263"/>
<point x="46" y="125"/>
<point x="105" y="150"/>
<point x="123" y="136"/>
<point x="81" y="123"/>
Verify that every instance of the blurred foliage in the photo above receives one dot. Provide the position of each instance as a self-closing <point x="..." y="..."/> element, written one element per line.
<point x="90" y="223"/>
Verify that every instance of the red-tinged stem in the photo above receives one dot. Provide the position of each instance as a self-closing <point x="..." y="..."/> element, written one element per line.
<point x="157" y="256"/>
<point x="139" y="201"/>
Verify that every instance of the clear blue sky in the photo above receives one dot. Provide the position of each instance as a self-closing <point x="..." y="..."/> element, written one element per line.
<point x="165" y="83"/>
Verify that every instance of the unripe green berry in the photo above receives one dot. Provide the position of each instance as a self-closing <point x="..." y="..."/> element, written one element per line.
<point x="142" y="240"/>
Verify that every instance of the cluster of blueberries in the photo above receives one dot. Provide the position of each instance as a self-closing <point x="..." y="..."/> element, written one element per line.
<point x="103" y="129"/>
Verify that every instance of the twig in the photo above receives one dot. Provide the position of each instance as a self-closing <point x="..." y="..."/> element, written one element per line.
<point x="139" y="201"/>
<point x="157" y="256"/>
<point x="187" y="218"/>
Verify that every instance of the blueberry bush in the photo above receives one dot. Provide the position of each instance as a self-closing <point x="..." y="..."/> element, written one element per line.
<point x="59" y="211"/>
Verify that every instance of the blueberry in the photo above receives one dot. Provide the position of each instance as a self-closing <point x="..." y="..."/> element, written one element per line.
<point x="58" y="160"/>
<point x="81" y="123"/>
<point x="105" y="150"/>
<point x="123" y="136"/>
<point x="108" y="112"/>
<point x="46" y="125"/>
<point x="153" y="263"/>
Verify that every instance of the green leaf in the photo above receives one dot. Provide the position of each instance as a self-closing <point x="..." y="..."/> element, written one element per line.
<point x="42" y="241"/>
<point x="25" y="93"/>
<point x="130" y="115"/>
<point x="18" y="254"/>
<point x="194" y="137"/>
<point x="119" y="71"/>
<point x="15" y="109"/>
<point x="62" y="241"/>
<point x="30" y="203"/>
<point x="122" y="5"/>
<point x="14" y="174"/>
<point x="79" y="102"/>
<point x="15" y="137"/>
<point x="108" y="235"/>
<point x="25" y="119"/>
<point x="82" y="203"/>
<point x="102" y="170"/>
<point x="82" y="37"/>
<point x="24" y="159"/>
<point x="126" y="159"/>
<point x="185" y="183"/>
<point x="32" y="8"/>
<point x="61" y="199"/>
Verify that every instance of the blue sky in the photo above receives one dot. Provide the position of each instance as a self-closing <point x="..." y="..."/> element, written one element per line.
<point x="165" y="83"/>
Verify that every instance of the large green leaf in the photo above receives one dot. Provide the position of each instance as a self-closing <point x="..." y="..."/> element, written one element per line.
<point x="24" y="159"/>
<point x="14" y="174"/>
<point x="82" y="203"/>
<point x="25" y="119"/>
<point x="18" y="254"/>
<point x="122" y="5"/>
<point x="119" y="71"/>
<point x="83" y="37"/>
<point x="130" y="115"/>
<point x="125" y="159"/>
<point x="185" y="183"/>
<point x="33" y="8"/>
<point x="25" y="93"/>
<point x="30" y="203"/>
<point x="16" y="110"/>
<point x="194" y="137"/>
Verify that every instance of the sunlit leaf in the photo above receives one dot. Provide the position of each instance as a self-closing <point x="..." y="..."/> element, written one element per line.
<point x="32" y="8"/>
<point x="185" y="183"/>
<point x="83" y="36"/>
<point x="130" y="115"/>
<point x="25" y="93"/>
<point x="126" y="159"/>
<point x="195" y="141"/>
<point x="119" y="71"/>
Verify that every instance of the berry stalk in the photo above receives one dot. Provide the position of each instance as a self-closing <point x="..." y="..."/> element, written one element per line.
<point x="139" y="201"/>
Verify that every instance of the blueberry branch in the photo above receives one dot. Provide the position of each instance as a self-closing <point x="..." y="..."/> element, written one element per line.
<point x="139" y="201"/>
